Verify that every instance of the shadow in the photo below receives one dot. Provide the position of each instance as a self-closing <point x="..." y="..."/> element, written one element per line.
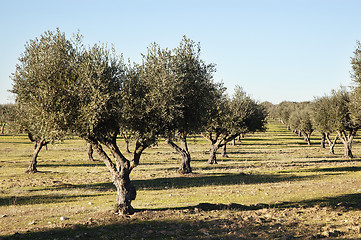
<point x="166" y="229"/>
<point x="157" y="224"/>
<point x="344" y="202"/>
<point x="191" y="180"/>
<point x="92" y="164"/>
<point x="334" y="169"/>
<point x="194" y="180"/>
<point x="101" y="187"/>
<point x="39" y="199"/>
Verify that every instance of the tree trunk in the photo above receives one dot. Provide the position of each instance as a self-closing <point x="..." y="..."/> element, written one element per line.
<point x="212" y="154"/>
<point x="126" y="192"/>
<point x="127" y="145"/>
<point x="347" y="143"/>
<point x="224" y="151"/>
<point x="185" y="165"/>
<point x="2" y="131"/>
<point x="323" y="140"/>
<point x="348" y="152"/>
<point x="331" y="144"/>
<point x="90" y="152"/>
<point x="32" y="166"/>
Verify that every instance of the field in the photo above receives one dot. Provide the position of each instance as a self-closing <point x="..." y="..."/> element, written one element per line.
<point x="272" y="186"/>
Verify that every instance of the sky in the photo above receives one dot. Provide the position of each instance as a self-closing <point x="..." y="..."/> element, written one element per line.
<point x="276" y="50"/>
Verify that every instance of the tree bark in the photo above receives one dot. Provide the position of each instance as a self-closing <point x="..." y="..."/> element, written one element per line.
<point x="185" y="165"/>
<point x="127" y="145"/>
<point x="2" y="131"/>
<point x="212" y="154"/>
<point x="120" y="172"/>
<point x="331" y="144"/>
<point x="307" y="138"/>
<point x="90" y="152"/>
<point x="348" y="150"/>
<point x="224" y="151"/>
<point x="32" y="166"/>
<point x="347" y="140"/>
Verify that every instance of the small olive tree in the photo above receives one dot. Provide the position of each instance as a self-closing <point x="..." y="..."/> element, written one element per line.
<point x="232" y="117"/>
<point x="341" y="119"/>
<point x="321" y="119"/>
<point x="300" y="121"/>
<point x="40" y="83"/>
<point x="7" y="116"/>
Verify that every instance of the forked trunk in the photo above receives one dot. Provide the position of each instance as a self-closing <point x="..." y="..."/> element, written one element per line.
<point x="212" y="154"/>
<point x="347" y="142"/>
<point x="120" y="172"/>
<point x="185" y="165"/>
<point x="32" y="166"/>
<point x="348" y="152"/>
<point x="331" y="144"/>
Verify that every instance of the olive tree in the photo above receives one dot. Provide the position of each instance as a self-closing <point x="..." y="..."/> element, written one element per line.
<point x="40" y="83"/>
<point x="341" y="119"/>
<point x="182" y="85"/>
<point x="110" y="97"/>
<point x="284" y="111"/>
<point x="355" y="98"/>
<point x="321" y="119"/>
<point x="232" y="117"/>
<point x="300" y="121"/>
<point x="7" y="116"/>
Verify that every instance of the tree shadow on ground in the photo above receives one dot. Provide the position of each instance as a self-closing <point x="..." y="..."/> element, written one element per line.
<point x="345" y="202"/>
<point x="193" y="180"/>
<point x="334" y="169"/>
<point x="40" y="199"/>
<point x="148" y="223"/>
<point x="163" y="229"/>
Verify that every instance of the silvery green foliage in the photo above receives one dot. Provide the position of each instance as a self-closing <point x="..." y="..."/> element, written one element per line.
<point x="179" y="87"/>
<point x="234" y="116"/>
<point x="41" y="81"/>
<point x="355" y="101"/>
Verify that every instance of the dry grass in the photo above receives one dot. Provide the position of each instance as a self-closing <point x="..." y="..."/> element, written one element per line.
<point x="272" y="186"/>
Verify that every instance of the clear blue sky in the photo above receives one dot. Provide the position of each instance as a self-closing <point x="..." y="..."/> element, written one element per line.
<point x="276" y="50"/>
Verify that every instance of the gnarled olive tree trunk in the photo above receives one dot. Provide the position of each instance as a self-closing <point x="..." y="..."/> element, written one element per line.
<point x="347" y="140"/>
<point x="212" y="154"/>
<point x="90" y="152"/>
<point x="120" y="173"/>
<point x="185" y="165"/>
<point x="38" y="145"/>
<point x="224" y="151"/>
<point x="331" y="144"/>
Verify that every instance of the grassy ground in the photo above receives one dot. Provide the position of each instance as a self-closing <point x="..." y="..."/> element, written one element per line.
<point x="272" y="186"/>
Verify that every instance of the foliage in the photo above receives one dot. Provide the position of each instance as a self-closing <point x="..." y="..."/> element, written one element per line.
<point x="41" y="80"/>
<point x="232" y="117"/>
<point x="179" y="90"/>
<point x="8" y="116"/>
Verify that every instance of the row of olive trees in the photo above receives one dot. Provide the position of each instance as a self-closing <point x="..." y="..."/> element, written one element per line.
<point x="329" y="115"/>
<point x="61" y="86"/>
<point x="337" y="114"/>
